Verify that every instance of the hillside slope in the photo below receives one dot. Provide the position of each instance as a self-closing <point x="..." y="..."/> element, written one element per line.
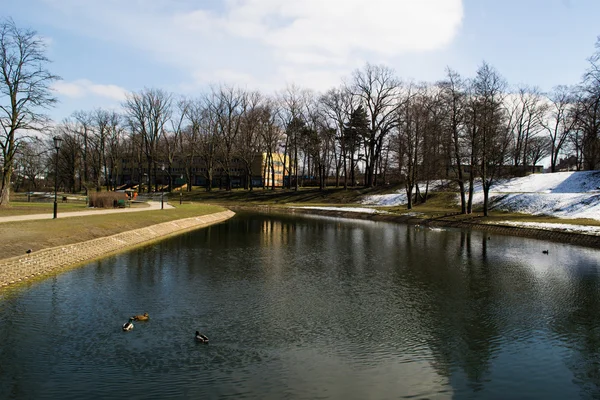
<point x="562" y="195"/>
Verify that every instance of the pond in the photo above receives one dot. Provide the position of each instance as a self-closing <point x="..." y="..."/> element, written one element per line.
<point x="307" y="307"/>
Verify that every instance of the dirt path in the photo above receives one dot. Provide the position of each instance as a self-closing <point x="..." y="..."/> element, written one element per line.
<point x="153" y="205"/>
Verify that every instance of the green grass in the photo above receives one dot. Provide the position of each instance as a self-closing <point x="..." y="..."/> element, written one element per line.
<point x="25" y="208"/>
<point x="17" y="237"/>
<point x="438" y="205"/>
<point x="279" y="196"/>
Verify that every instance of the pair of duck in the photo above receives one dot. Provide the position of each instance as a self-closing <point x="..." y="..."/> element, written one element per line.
<point x="127" y="326"/>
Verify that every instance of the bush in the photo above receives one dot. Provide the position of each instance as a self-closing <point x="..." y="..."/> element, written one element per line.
<point x="106" y="199"/>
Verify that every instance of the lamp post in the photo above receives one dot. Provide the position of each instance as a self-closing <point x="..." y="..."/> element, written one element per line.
<point x="162" y="187"/>
<point x="181" y="191"/>
<point x="57" y="142"/>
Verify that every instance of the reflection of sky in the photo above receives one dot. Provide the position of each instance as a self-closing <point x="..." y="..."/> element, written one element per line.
<point x="562" y="261"/>
<point x="389" y="378"/>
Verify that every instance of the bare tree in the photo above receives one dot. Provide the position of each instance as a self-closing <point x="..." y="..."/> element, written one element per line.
<point x="378" y="89"/>
<point x="525" y="110"/>
<point x="490" y="127"/>
<point x="172" y="140"/>
<point x="271" y="134"/>
<point x="24" y="90"/>
<point x="338" y="106"/>
<point x="209" y="141"/>
<point x="30" y="158"/>
<point x="115" y="138"/>
<point x="559" y="121"/>
<point x="190" y="139"/>
<point x="101" y="120"/>
<point x="453" y="92"/>
<point x="229" y="107"/>
<point x="291" y="107"/>
<point x="148" y="112"/>
<point x="588" y="112"/>
<point x="254" y="122"/>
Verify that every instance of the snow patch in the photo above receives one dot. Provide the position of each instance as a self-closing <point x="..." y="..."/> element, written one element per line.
<point x="591" y="230"/>
<point x="561" y="195"/>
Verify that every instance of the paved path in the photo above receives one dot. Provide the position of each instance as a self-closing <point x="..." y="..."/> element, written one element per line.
<point x="154" y="205"/>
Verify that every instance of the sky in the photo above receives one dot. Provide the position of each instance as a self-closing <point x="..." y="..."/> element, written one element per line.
<point x="103" y="49"/>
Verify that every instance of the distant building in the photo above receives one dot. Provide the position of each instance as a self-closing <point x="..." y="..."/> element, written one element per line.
<point x="567" y="164"/>
<point x="133" y="173"/>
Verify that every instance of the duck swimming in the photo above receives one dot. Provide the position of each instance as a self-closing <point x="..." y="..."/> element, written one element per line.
<point x="142" y="317"/>
<point x="201" y="338"/>
<point x="127" y="326"/>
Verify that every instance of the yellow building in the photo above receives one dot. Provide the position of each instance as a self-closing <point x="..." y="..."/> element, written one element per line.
<point x="264" y="171"/>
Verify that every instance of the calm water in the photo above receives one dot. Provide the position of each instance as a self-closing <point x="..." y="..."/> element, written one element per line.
<point x="312" y="308"/>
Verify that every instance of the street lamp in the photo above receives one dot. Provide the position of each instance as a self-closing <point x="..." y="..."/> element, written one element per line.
<point x="57" y="142"/>
<point x="181" y="191"/>
<point x="162" y="188"/>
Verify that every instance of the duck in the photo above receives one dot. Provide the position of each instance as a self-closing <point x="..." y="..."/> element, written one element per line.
<point x="201" y="338"/>
<point x="142" y="317"/>
<point x="127" y="326"/>
<point x="545" y="251"/>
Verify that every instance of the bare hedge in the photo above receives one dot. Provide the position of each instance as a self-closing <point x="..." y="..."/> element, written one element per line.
<point x="106" y="199"/>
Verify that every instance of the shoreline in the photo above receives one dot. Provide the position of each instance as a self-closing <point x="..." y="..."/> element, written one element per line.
<point x="573" y="238"/>
<point x="49" y="261"/>
<point x="40" y="264"/>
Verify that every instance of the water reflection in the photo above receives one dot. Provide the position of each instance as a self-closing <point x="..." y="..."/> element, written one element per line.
<point x="313" y="308"/>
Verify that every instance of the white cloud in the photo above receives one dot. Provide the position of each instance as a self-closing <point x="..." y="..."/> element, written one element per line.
<point x="336" y="28"/>
<point x="262" y="41"/>
<point x="83" y="88"/>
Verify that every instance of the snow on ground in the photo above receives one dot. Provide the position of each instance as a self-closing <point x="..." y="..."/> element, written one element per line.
<point x="562" y="195"/>
<point x="394" y="199"/>
<point x="590" y="230"/>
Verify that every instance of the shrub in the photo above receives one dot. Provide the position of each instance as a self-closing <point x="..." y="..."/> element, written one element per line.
<point x="105" y="199"/>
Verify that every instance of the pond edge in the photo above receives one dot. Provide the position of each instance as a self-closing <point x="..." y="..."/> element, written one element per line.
<point x="46" y="262"/>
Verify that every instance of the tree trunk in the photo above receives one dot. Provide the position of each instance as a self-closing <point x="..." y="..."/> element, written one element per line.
<point x="5" y="188"/>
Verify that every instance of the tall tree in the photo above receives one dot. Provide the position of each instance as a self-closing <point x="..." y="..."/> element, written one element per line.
<point x="489" y="90"/>
<point x="148" y="112"/>
<point x="378" y="89"/>
<point x="115" y="139"/>
<point x="337" y="106"/>
<point x="253" y="123"/>
<point x="559" y="121"/>
<point x="588" y="112"/>
<point x="453" y="97"/>
<point x="229" y="106"/>
<point x="354" y="132"/>
<point x="24" y="93"/>
<point x="292" y="101"/>
<point x="525" y="112"/>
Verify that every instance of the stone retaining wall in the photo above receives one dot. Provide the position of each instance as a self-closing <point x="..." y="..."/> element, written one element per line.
<point x="43" y="262"/>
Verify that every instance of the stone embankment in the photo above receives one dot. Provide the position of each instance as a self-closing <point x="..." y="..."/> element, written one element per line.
<point x="48" y="261"/>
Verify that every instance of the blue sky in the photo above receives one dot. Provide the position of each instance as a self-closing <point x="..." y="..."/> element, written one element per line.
<point x="105" y="48"/>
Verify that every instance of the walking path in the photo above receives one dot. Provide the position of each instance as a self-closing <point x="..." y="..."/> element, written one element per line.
<point x="153" y="205"/>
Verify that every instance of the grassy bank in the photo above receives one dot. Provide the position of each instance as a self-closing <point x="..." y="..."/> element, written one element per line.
<point x="17" y="237"/>
<point x="440" y="205"/>
<point x="280" y="196"/>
